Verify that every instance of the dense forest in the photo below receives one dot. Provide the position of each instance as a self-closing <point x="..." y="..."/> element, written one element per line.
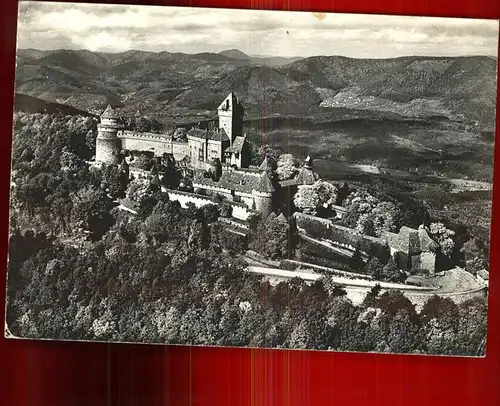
<point x="82" y="269"/>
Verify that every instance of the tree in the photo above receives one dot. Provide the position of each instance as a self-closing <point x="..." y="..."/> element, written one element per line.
<point x="352" y="216"/>
<point x="287" y="167"/>
<point x="198" y="237"/>
<point x="315" y="198"/>
<point x="371" y="296"/>
<point x="383" y="252"/>
<point x="342" y="318"/>
<point x="385" y="217"/>
<point x="300" y="337"/>
<point x="70" y="161"/>
<point x="392" y="301"/>
<point x="92" y="209"/>
<point x="269" y="152"/>
<point x="227" y="239"/>
<point x="114" y="181"/>
<point x="272" y="241"/>
<point x="137" y="188"/>
<point x="217" y="168"/>
<point x="391" y="273"/>
<point x="327" y="193"/>
<point x="306" y="199"/>
<point x="472" y="328"/>
<point x="443" y="309"/>
<point x="444" y="237"/>
<point x="210" y="212"/>
<point x="155" y="227"/>
<point x="473" y="252"/>
<point x="365" y="225"/>
<point x="61" y="204"/>
<point x="403" y="332"/>
<point x="144" y="162"/>
<point x="374" y="268"/>
<point x="142" y="124"/>
<point x="170" y="178"/>
<point x="401" y="261"/>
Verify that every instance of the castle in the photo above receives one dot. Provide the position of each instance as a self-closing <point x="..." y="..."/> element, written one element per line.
<point x="226" y="145"/>
<point x="220" y="159"/>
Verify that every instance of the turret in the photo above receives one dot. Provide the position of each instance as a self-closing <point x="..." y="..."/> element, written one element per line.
<point x="308" y="162"/>
<point x="267" y="165"/>
<point x="231" y="114"/>
<point x="263" y="195"/>
<point x="108" y="145"/>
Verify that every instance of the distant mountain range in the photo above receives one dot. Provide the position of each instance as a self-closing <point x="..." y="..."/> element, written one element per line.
<point x="259" y="60"/>
<point x="178" y="86"/>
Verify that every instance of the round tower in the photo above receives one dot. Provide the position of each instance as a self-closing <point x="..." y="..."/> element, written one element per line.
<point x="263" y="195"/>
<point x="108" y="145"/>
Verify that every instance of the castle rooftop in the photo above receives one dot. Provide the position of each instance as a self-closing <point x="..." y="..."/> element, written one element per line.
<point x="239" y="181"/>
<point x="265" y="184"/>
<point x="238" y="144"/>
<point x="306" y="176"/>
<point x="109" y="113"/>
<point x="266" y="165"/>
<point x="214" y="135"/>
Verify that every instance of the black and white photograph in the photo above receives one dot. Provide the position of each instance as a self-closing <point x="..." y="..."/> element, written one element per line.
<point x="251" y="178"/>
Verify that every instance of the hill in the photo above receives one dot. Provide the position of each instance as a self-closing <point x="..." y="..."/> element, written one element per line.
<point x="172" y="86"/>
<point x="29" y="104"/>
<point x="234" y="53"/>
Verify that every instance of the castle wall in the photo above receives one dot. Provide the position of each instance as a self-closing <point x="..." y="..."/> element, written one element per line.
<point x="213" y="190"/>
<point x="214" y="150"/>
<point x="158" y="145"/>
<point x="240" y="211"/>
<point x="248" y="200"/>
<point x="263" y="203"/>
<point x="196" y="148"/>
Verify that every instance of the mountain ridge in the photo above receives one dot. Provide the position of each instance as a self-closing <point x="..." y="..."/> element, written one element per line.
<point x="173" y="85"/>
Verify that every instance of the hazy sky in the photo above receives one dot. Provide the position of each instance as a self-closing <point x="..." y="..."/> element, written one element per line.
<point x="114" y="28"/>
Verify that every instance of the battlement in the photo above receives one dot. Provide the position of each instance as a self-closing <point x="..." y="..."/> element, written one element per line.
<point x="146" y="136"/>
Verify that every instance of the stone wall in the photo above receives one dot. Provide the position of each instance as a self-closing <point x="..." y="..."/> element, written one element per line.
<point x="214" y="190"/>
<point x="158" y="144"/>
<point x="326" y="229"/>
<point x="240" y="211"/>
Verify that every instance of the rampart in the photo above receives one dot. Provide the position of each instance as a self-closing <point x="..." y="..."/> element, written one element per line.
<point x="159" y="144"/>
<point x="240" y="210"/>
<point x="345" y="237"/>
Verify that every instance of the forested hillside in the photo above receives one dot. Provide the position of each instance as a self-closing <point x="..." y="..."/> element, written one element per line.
<point x="80" y="268"/>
